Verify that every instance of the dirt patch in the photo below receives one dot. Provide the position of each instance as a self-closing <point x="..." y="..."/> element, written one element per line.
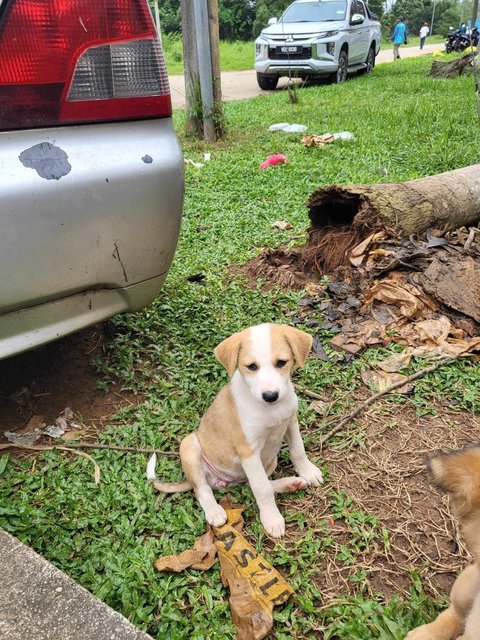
<point x="45" y="381"/>
<point x="385" y="477"/>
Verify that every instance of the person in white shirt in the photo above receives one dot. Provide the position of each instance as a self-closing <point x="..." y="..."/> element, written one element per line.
<point x="424" y="31"/>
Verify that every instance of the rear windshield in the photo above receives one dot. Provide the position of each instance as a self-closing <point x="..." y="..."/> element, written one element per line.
<point x="315" y="11"/>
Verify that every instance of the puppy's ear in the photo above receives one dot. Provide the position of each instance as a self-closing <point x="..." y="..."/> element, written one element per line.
<point x="227" y="352"/>
<point x="300" y="343"/>
<point x="459" y="474"/>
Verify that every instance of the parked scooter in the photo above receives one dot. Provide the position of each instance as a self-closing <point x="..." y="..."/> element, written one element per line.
<point x="459" y="40"/>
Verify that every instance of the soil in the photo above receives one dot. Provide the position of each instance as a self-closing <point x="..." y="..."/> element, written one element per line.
<point x="45" y="381"/>
<point x="385" y="475"/>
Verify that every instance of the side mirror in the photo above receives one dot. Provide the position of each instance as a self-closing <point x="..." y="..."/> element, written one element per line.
<point x="357" y="18"/>
<point x="272" y="21"/>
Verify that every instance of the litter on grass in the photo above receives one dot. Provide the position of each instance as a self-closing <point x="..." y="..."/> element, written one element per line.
<point x="282" y="225"/>
<point x="288" y="128"/>
<point x="273" y="160"/>
<point x="255" y="586"/>
<point x="63" y="426"/>
<point x="196" y="165"/>
<point x="326" y="138"/>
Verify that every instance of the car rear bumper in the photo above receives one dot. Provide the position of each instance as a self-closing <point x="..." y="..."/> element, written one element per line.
<point x="89" y="236"/>
<point x="31" y="327"/>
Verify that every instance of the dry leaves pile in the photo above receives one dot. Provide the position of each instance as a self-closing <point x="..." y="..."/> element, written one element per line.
<point x="422" y="293"/>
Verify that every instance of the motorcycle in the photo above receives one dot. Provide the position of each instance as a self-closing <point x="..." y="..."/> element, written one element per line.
<point x="457" y="40"/>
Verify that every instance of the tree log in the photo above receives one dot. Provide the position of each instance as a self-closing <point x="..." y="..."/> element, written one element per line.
<point x="451" y="69"/>
<point x="447" y="199"/>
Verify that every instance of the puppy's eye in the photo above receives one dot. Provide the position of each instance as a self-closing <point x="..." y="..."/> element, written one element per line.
<point x="281" y="363"/>
<point x="252" y="367"/>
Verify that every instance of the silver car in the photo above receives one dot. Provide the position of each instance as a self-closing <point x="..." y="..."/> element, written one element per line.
<point x="91" y="173"/>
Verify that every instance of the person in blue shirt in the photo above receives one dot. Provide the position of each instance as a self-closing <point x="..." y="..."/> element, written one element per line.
<point x="399" y="37"/>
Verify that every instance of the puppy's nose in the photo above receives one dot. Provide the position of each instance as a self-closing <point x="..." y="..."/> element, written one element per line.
<point x="270" y="396"/>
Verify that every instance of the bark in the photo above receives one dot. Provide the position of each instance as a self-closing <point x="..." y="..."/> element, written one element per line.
<point x="451" y="69"/>
<point x="448" y="199"/>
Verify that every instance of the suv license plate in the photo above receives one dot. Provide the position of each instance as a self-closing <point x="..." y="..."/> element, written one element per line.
<point x="290" y="49"/>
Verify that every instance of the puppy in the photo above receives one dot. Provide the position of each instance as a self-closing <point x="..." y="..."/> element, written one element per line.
<point x="459" y="474"/>
<point x="240" y="435"/>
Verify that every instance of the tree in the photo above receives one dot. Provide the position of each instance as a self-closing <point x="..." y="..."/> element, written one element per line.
<point x="265" y="9"/>
<point x="376" y="6"/>
<point x="236" y="19"/>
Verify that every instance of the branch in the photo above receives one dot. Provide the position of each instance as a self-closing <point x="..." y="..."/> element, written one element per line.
<point x="372" y="399"/>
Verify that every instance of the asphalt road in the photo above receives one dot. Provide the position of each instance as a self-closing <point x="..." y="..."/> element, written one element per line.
<point x="240" y="85"/>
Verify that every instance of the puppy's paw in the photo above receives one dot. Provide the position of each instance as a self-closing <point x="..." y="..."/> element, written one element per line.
<point x="216" y="516"/>
<point x="296" y="484"/>
<point x="274" y="524"/>
<point x="311" y="474"/>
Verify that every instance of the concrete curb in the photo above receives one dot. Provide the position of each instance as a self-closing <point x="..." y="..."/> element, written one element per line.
<point x="40" y="602"/>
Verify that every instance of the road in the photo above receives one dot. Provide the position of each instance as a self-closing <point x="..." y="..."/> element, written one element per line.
<point x="240" y="85"/>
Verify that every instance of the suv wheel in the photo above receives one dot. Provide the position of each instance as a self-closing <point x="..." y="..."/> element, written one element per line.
<point x="340" y="75"/>
<point x="267" y="83"/>
<point x="370" y="62"/>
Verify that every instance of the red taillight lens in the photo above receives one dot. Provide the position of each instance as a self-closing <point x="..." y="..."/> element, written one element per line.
<point x="67" y="61"/>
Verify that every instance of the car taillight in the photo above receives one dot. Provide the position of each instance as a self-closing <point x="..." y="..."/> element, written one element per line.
<point x="72" y="61"/>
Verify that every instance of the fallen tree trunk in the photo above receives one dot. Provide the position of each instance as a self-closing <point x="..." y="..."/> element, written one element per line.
<point x="451" y="69"/>
<point x="448" y="199"/>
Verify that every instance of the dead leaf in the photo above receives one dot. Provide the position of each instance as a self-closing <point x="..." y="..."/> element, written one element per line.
<point x="411" y="301"/>
<point x="318" y="141"/>
<point x="381" y="380"/>
<point x="313" y="289"/>
<point x="396" y="362"/>
<point x="282" y="225"/>
<point x="318" y="351"/>
<point x="319" y="406"/>
<point x="202" y="556"/>
<point x="434" y="331"/>
<point x="75" y="434"/>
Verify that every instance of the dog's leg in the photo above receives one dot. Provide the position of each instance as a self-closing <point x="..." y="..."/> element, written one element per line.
<point x="472" y="626"/>
<point x="191" y="456"/>
<point x="305" y="469"/>
<point x="262" y="489"/>
<point x="450" y="623"/>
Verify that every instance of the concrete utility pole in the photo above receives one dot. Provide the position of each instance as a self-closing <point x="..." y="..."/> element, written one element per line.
<point x="202" y="67"/>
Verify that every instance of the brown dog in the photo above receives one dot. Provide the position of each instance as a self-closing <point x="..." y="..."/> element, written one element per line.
<point x="459" y="474"/>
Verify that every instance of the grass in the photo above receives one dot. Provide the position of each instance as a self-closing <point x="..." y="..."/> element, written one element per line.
<point x="234" y="56"/>
<point x="237" y="56"/>
<point x="107" y="537"/>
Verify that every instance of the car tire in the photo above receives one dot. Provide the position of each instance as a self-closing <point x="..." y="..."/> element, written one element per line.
<point x="266" y="82"/>
<point x="370" y="62"/>
<point x="340" y="75"/>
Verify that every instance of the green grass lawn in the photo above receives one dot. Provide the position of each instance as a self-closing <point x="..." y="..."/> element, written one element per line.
<point x="234" y="56"/>
<point x="237" y="56"/>
<point x="108" y="536"/>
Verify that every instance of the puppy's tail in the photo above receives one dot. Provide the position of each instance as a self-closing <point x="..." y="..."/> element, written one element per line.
<point x="166" y="487"/>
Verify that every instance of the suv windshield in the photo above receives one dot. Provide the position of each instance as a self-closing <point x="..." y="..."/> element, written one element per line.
<point x="315" y="11"/>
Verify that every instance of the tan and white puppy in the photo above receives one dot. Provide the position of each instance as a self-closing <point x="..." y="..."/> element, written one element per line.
<point x="241" y="433"/>
<point x="459" y="474"/>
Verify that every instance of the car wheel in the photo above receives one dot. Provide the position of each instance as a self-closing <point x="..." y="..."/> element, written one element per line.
<point x="267" y="83"/>
<point x="341" y="74"/>
<point x="370" y="62"/>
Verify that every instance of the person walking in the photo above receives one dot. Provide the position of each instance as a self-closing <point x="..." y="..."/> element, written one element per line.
<point x="424" y="31"/>
<point x="399" y="37"/>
